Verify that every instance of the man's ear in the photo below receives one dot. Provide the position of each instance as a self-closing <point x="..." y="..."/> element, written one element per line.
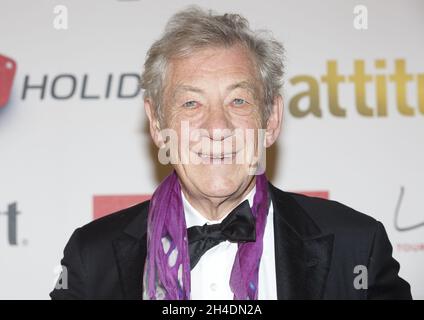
<point x="154" y="124"/>
<point x="274" y="122"/>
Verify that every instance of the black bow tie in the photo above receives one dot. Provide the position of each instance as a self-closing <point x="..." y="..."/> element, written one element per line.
<point x="238" y="226"/>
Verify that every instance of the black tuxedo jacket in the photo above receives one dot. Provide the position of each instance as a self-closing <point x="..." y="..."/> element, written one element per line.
<point x="318" y="244"/>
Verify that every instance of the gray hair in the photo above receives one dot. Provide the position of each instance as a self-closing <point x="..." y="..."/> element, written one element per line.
<point x="194" y="28"/>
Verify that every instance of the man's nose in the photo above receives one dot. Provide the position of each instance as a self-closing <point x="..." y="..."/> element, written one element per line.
<point x="218" y="120"/>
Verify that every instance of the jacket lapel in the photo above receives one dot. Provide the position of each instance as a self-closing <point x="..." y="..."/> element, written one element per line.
<point x="302" y="253"/>
<point x="130" y="254"/>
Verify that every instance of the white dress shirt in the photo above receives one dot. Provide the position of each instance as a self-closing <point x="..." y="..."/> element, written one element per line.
<point x="210" y="278"/>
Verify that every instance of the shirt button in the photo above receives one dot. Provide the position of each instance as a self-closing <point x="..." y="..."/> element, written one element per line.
<point x="213" y="286"/>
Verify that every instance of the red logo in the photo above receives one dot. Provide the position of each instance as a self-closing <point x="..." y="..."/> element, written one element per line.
<point x="316" y="194"/>
<point x="7" y="73"/>
<point x="104" y="205"/>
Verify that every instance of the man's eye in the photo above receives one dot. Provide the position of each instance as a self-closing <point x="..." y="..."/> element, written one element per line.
<point x="239" y="102"/>
<point x="190" y="104"/>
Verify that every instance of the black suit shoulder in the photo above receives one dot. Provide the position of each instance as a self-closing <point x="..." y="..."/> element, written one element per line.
<point x="355" y="232"/>
<point x="359" y="240"/>
<point x="332" y="216"/>
<point x="109" y="227"/>
<point x="90" y="255"/>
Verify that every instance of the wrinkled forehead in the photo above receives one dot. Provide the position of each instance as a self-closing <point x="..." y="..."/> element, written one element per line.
<point x="208" y="66"/>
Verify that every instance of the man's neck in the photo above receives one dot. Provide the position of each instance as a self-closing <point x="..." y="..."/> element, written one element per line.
<point x="215" y="208"/>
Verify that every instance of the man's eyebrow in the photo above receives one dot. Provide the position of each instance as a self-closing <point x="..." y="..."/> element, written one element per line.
<point x="184" y="87"/>
<point x="249" y="85"/>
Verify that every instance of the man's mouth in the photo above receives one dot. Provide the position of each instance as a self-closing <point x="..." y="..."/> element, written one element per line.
<point x="219" y="156"/>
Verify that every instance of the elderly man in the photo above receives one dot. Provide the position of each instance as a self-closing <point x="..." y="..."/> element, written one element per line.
<point x="216" y="228"/>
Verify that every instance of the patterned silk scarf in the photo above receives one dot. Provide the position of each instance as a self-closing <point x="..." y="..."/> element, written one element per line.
<point x="167" y="268"/>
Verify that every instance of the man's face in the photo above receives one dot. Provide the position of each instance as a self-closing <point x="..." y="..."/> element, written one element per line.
<point x="215" y="90"/>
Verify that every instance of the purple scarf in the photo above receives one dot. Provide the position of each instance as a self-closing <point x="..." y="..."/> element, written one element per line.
<point x="167" y="268"/>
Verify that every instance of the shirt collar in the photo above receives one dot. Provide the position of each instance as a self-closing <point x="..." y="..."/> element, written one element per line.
<point x="194" y="218"/>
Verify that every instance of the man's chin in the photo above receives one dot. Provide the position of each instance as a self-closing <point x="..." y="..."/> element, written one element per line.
<point x="217" y="180"/>
<point x="221" y="171"/>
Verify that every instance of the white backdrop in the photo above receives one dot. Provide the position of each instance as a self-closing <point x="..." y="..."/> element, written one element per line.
<point x="57" y="154"/>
